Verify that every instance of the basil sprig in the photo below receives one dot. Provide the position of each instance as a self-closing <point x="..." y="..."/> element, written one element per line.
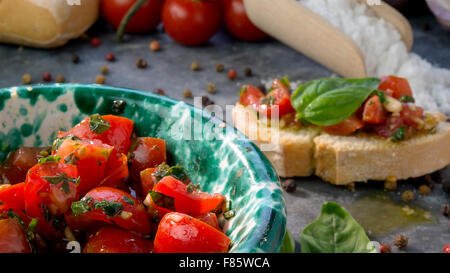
<point x="328" y="101"/>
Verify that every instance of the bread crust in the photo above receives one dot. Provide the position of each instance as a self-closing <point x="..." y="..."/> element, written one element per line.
<point x="342" y="160"/>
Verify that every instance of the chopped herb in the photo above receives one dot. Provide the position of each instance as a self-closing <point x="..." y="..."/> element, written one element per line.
<point x="177" y="172"/>
<point x="64" y="179"/>
<point x="57" y="143"/>
<point x="193" y="188"/>
<point x="243" y="90"/>
<point x="399" y="134"/>
<point x="50" y="158"/>
<point x="12" y="214"/>
<point x="128" y="200"/>
<point x="286" y="81"/>
<point x="228" y="214"/>
<point x="269" y="100"/>
<point x="162" y="200"/>
<point x="110" y="208"/>
<point x="381" y="95"/>
<point x="406" y="98"/>
<point x="98" y="125"/>
<point x="31" y="228"/>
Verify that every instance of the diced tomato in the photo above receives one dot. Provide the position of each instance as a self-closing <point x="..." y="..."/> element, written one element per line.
<point x="116" y="240"/>
<point x="210" y="218"/>
<point x="346" y="127"/>
<point x="26" y="157"/>
<point x="374" y="112"/>
<point x="12" y="237"/>
<point x="118" y="135"/>
<point x="195" y="202"/>
<point x="392" y="124"/>
<point x="412" y="115"/>
<point x="395" y="86"/>
<point x="10" y="174"/>
<point x="181" y="233"/>
<point x="12" y="197"/>
<point x="115" y="206"/>
<point x="155" y="212"/>
<point x="278" y="97"/>
<point x="148" y="181"/>
<point x="91" y="158"/>
<point x="79" y="222"/>
<point x="147" y="153"/>
<point x="250" y="96"/>
<point x="116" y="171"/>
<point x="44" y="199"/>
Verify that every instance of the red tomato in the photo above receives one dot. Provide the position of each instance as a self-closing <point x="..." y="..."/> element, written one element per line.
<point x="91" y="158"/>
<point x="191" y="22"/>
<point x="10" y="174"/>
<point x="192" y="203"/>
<point x="154" y="210"/>
<point x="412" y="115"/>
<point x="148" y="153"/>
<point x="181" y="233"/>
<point x="26" y="157"/>
<point x="130" y="214"/>
<point x="210" y="218"/>
<point x="374" y="112"/>
<point x="238" y="23"/>
<point x="145" y="19"/>
<point x="278" y="97"/>
<point x="346" y="127"/>
<point x="12" y="237"/>
<point x="116" y="240"/>
<point x="118" y="135"/>
<point x="116" y="171"/>
<point x="148" y="181"/>
<point x="79" y="222"/>
<point x="446" y="249"/>
<point x="250" y="95"/>
<point x="391" y="125"/>
<point x="12" y="197"/>
<point x="55" y="197"/>
<point x="398" y="86"/>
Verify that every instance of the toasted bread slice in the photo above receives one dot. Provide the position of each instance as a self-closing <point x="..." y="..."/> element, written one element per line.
<point x="342" y="160"/>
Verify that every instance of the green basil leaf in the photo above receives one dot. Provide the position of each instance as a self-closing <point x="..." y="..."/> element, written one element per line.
<point x="335" y="106"/>
<point x="98" y="125"/>
<point x="288" y="244"/>
<point x="335" y="231"/>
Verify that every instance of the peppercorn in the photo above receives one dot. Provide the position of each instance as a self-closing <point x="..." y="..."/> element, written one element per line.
<point x="60" y="79"/>
<point x="154" y="46"/>
<point x="391" y="183"/>
<point x="407" y="196"/>
<point x="232" y="74"/>
<point x="141" y="63"/>
<point x="195" y="66"/>
<point x="159" y="91"/>
<point x="46" y="77"/>
<point x="26" y="79"/>
<point x="110" y="57"/>
<point x="445" y="209"/>
<point x="187" y="93"/>
<point x="401" y="241"/>
<point x="385" y="248"/>
<point x="118" y="106"/>
<point x="446" y="186"/>
<point x="289" y="185"/>
<point x="95" y="42"/>
<point x="220" y="67"/>
<point x="100" y="79"/>
<point x="248" y="72"/>
<point x="428" y="180"/>
<point x="104" y="70"/>
<point x="351" y="186"/>
<point x="424" y="190"/>
<point x="206" y="101"/>
<point x="75" y="58"/>
<point x="211" y="88"/>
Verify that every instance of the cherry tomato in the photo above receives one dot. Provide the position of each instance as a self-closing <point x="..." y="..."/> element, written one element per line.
<point x="210" y="218"/>
<point x="195" y="202"/>
<point x="191" y="22"/>
<point x="278" y="97"/>
<point x="238" y="23"/>
<point x="446" y="249"/>
<point x="12" y="237"/>
<point x="148" y="181"/>
<point x="181" y="233"/>
<point x="118" y="135"/>
<point x="250" y="96"/>
<point x="49" y="190"/>
<point x="10" y="174"/>
<point x="399" y="87"/>
<point x="116" y="171"/>
<point x="147" y="153"/>
<point x="346" y="127"/>
<point x="116" y="240"/>
<point x="115" y="206"/>
<point x="12" y="197"/>
<point x="374" y="112"/>
<point x="144" y="20"/>
<point x="26" y="157"/>
<point x="79" y="222"/>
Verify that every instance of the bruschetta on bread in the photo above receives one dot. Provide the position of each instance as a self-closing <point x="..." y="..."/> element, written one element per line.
<point x="345" y="130"/>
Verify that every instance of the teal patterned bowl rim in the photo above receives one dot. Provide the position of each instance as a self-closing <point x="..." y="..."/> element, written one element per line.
<point x="268" y="232"/>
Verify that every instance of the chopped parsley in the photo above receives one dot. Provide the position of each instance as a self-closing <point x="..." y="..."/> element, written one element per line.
<point x="399" y="134"/>
<point x="98" y="125"/>
<point x="381" y="95"/>
<point x="162" y="200"/>
<point x="407" y="98"/>
<point x="110" y="208"/>
<point x="57" y="143"/>
<point x="49" y="158"/>
<point x="82" y="206"/>
<point x="31" y="228"/>
<point x="177" y="172"/>
<point x="13" y="215"/>
<point x="285" y="81"/>
<point x="193" y="188"/>
<point x="64" y="179"/>
<point x="128" y="200"/>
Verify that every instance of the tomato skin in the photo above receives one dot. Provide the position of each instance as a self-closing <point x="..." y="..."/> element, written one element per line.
<point x="148" y="153"/>
<point x="137" y="222"/>
<point x="251" y="96"/>
<point x="238" y="23"/>
<point x="118" y="135"/>
<point x="411" y="114"/>
<point x="26" y="157"/>
<point x="397" y="86"/>
<point x="116" y="240"/>
<point x="210" y="218"/>
<point x="374" y="112"/>
<point x="10" y="174"/>
<point x="12" y="237"/>
<point x="191" y="203"/>
<point x="148" y="181"/>
<point x="281" y="99"/>
<point x="346" y="127"/>
<point x="144" y="20"/>
<point x="12" y="197"/>
<point x="181" y="233"/>
<point x="190" y="22"/>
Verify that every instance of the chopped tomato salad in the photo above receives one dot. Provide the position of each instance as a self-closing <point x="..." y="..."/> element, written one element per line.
<point x="109" y="190"/>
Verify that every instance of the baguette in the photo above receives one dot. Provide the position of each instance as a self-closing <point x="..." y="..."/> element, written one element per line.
<point x="342" y="160"/>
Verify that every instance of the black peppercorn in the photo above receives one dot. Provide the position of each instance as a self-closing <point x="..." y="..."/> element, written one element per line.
<point x="248" y="72"/>
<point x="445" y="209"/>
<point x="206" y="101"/>
<point x="141" y="63"/>
<point x="119" y="106"/>
<point x="289" y="185"/>
<point x="75" y="58"/>
<point x="446" y="186"/>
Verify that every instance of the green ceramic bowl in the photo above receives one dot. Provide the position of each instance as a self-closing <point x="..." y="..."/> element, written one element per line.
<point x="220" y="159"/>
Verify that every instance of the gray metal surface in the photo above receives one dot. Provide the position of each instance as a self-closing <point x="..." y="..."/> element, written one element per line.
<point x="169" y="70"/>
